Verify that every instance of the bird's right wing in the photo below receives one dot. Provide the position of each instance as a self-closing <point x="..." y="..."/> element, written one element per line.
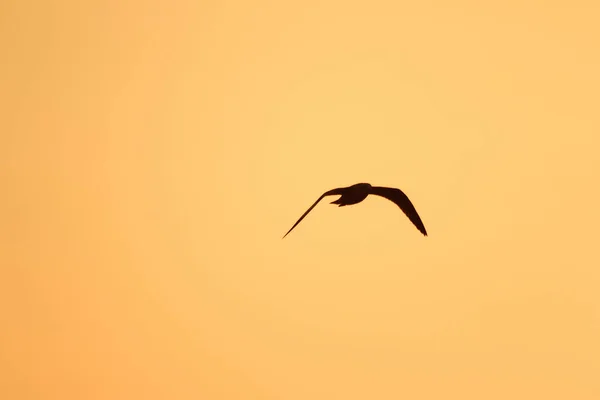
<point x="398" y="197"/>
<point x="328" y="193"/>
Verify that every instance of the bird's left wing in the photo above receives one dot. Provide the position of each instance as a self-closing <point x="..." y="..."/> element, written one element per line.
<point x="402" y="201"/>
<point x="328" y="193"/>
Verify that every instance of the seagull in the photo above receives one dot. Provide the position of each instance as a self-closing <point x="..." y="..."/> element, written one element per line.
<point x="356" y="193"/>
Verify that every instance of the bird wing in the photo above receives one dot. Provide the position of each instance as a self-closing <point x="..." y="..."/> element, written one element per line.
<point x="402" y="201"/>
<point x="328" y="193"/>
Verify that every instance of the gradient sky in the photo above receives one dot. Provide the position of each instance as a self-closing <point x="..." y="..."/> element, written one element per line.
<point x="154" y="153"/>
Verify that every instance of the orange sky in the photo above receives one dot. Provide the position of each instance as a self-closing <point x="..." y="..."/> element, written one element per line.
<point x="154" y="153"/>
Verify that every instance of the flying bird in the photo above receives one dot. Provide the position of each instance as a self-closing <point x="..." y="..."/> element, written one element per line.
<point x="356" y="193"/>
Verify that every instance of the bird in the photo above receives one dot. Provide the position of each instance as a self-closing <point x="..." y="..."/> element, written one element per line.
<point x="356" y="193"/>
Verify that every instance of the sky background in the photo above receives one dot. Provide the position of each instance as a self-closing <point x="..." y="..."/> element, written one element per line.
<point x="153" y="154"/>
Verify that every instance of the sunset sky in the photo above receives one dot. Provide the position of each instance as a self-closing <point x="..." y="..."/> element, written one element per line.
<point x="154" y="153"/>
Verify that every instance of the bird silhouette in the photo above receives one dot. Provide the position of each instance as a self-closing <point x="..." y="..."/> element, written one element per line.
<point x="356" y="193"/>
